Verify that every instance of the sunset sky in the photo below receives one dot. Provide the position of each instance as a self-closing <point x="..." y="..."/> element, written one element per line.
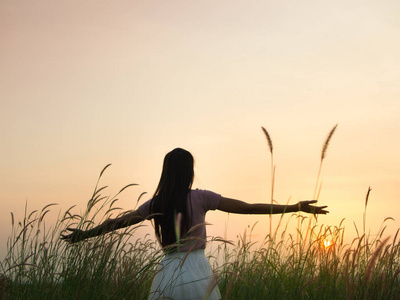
<point x="87" y="83"/>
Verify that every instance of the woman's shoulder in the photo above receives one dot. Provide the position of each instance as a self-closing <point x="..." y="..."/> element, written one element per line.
<point x="144" y="209"/>
<point x="208" y="199"/>
<point x="202" y="191"/>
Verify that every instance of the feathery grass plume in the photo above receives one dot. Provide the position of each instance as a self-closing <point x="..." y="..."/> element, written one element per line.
<point x="365" y="207"/>
<point x="326" y="144"/>
<point x="367" y="196"/>
<point x="365" y="217"/>
<point x="269" y="140"/>
<point x="323" y="154"/>
<point x="317" y="184"/>
<point x="95" y="199"/>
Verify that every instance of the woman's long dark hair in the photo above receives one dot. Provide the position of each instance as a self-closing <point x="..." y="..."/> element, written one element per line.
<point x="170" y="197"/>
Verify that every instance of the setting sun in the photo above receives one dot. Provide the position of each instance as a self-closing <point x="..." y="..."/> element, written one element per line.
<point x="328" y="244"/>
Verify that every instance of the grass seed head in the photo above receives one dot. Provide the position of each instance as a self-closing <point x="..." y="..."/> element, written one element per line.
<point x="326" y="144"/>
<point x="268" y="139"/>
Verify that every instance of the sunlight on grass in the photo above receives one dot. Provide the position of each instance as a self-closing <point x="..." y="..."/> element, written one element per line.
<point x="327" y="244"/>
<point x="310" y="263"/>
<point x="39" y="265"/>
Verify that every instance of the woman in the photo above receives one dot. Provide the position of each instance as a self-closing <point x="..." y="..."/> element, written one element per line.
<point x="178" y="213"/>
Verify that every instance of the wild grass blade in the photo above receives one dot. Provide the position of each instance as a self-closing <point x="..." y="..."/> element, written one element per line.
<point x="326" y="143"/>
<point x="269" y="140"/>
<point x="317" y="184"/>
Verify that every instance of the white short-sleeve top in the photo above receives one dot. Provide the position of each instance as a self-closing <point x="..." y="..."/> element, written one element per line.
<point x="201" y="201"/>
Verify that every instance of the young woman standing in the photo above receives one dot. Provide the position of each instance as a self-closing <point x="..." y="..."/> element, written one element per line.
<point x="179" y="213"/>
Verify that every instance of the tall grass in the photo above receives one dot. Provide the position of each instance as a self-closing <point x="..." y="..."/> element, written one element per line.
<point x="284" y="270"/>
<point x="118" y="265"/>
<point x="318" y="184"/>
<point x="39" y="265"/>
<point x="269" y="141"/>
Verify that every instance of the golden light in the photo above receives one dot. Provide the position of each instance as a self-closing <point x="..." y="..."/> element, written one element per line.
<point x="327" y="243"/>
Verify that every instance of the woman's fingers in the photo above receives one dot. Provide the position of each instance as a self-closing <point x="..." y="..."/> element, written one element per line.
<point x="69" y="237"/>
<point x="77" y="235"/>
<point x="66" y="236"/>
<point x="307" y="206"/>
<point x="321" y="209"/>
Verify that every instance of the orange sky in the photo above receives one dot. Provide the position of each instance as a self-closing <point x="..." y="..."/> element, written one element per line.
<point x="87" y="83"/>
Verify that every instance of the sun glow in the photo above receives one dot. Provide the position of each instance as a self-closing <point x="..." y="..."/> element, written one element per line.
<point x="328" y="244"/>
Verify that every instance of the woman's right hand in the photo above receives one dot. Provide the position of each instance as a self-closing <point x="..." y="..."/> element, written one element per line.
<point x="306" y="206"/>
<point x="75" y="236"/>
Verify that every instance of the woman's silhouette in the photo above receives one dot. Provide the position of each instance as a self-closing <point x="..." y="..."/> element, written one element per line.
<point x="178" y="213"/>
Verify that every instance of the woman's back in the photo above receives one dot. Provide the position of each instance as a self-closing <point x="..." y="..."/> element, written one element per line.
<point x="198" y="203"/>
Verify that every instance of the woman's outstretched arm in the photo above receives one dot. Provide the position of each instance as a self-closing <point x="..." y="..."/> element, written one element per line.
<point x="109" y="225"/>
<point x="240" y="207"/>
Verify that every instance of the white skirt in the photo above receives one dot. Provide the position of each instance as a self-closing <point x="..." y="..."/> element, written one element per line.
<point x="185" y="275"/>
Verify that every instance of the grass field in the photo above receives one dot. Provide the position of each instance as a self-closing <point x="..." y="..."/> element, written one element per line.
<point x="286" y="266"/>
<point x="311" y="263"/>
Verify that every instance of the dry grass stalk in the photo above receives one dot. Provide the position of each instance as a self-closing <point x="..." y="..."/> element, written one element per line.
<point x="365" y="208"/>
<point x="323" y="154"/>
<point x="268" y="139"/>
<point x="371" y="263"/>
<point x="326" y="144"/>
<point x="367" y="196"/>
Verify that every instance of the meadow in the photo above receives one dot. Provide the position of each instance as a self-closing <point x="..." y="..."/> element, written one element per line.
<point x="313" y="262"/>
